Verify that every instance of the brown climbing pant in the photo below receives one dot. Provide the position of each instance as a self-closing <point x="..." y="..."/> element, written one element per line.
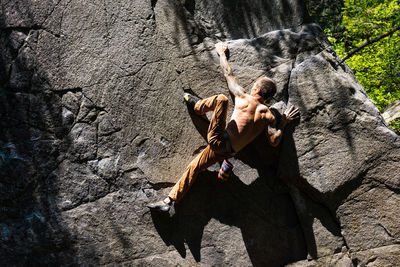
<point x="218" y="144"/>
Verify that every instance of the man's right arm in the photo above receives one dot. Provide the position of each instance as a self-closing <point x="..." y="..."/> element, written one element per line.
<point x="233" y="85"/>
<point x="275" y="132"/>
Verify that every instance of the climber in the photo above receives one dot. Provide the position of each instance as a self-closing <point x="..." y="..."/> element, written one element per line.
<point x="250" y="117"/>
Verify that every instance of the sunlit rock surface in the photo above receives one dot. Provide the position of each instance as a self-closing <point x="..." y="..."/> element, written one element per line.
<point x="93" y="127"/>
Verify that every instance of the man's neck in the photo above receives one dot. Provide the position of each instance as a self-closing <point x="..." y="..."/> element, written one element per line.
<point x="258" y="98"/>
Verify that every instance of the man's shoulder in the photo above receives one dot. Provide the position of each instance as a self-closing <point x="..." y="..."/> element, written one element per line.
<point x="243" y="96"/>
<point x="269" y="114"/>
<point x="243" y="99"/>
<point x="263" y="108"/>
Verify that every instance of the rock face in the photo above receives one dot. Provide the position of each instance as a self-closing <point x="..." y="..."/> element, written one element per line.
<point x="392" y="112"/>
<point x="93" y="127"/>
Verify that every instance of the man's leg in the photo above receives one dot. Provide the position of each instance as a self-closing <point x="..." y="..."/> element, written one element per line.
<point x="218" y="104"/>
<point x="214" y="152"/>
<point x="201" y="162"/>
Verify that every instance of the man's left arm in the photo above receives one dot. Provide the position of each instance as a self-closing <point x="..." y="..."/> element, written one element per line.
<point x="233" y="85"/>
<point x="275" y="132"/>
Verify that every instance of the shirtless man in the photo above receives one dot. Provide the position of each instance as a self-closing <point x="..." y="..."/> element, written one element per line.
<point x="250" y="117"/>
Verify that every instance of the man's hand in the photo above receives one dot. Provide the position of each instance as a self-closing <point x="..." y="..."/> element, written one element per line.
<point x="233" y="86"/>
<point x="221" y="48"/>
<point x="290" y="114"/>
<point x="275" y="133"/>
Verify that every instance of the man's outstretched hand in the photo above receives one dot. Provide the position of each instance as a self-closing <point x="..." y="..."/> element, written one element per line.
<point x="290" y="114"/>
<point x="221" y="48"/>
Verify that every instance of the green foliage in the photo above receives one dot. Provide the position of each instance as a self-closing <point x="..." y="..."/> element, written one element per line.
<point x="350" y="23"/>
<point x="377" y="65"/>
<point x="328" y="14"/>
<point x="395" y="125"/>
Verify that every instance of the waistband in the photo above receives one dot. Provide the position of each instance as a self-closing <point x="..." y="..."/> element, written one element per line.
<point x="229" y="147"/>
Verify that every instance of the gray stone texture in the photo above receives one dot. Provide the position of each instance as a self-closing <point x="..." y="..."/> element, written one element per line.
<point x="392" y="111"/>
<point x="93" y="127"/>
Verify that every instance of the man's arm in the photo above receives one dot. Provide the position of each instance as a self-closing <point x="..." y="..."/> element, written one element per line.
<point x="233" y="85"/>
<point x="275" y="133"/>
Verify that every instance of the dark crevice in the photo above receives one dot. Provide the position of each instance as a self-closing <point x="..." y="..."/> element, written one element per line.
<point x="304" y="206"/>
<point x="346" y="189"/>
<point x="395" y="190"/>
<point x="161" y="185"/>
<point x="108" y="36"/>
<point x="64" y="91"/>
<point x="287" y="84"/>
<point x="93" y="105"/>
<point x="153" y="4"/>
<point x="51" y="12"/>
<point x="153" y="14"/>
<point x="386" y="230"/>
<point x="97" y="136"/>
<point x="116" y="130"/>
<point x="190" y="6"/>
<point x="26" y="30"/>
<point x="133" y="169"/>
<point x="22" y="29"/>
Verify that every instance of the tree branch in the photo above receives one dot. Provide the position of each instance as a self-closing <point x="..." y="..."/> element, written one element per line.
<point x="374" y="40"/>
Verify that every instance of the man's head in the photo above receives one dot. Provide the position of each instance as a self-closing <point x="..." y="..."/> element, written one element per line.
<point x="264" y="87"/>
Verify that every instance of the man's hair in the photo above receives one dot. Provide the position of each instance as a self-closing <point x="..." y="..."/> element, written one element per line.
<point x="267" y="86"/>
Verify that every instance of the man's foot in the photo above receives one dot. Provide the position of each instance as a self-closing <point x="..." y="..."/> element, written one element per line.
<point x="190" y="99"/>
<point x="160" y="206"/>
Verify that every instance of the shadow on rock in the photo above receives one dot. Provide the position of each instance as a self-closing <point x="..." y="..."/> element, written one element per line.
<point x="268" y="222"/>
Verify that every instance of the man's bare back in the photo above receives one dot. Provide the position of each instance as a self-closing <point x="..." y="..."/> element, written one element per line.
<point x="250" y="116"/>
<point x="248" y="120"/>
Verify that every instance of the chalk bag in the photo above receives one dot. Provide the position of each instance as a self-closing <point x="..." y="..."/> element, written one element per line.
<point x="225" y="171"/>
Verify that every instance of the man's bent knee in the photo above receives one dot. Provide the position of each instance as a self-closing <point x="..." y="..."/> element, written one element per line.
<point x="222" y="98"/>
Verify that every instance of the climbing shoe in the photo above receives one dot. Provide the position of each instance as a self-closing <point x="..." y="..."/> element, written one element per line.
<point x="190" y="99"/>
<point x="160" y="206"/>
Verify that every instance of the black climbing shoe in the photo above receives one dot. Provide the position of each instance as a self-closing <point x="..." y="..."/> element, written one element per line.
<point x="190" y="99"/>
<point x="160" y="206"/>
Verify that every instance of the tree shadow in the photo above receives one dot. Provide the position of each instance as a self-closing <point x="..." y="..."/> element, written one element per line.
<point x="33" y="137"/>
<point x="197" y="24"/>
